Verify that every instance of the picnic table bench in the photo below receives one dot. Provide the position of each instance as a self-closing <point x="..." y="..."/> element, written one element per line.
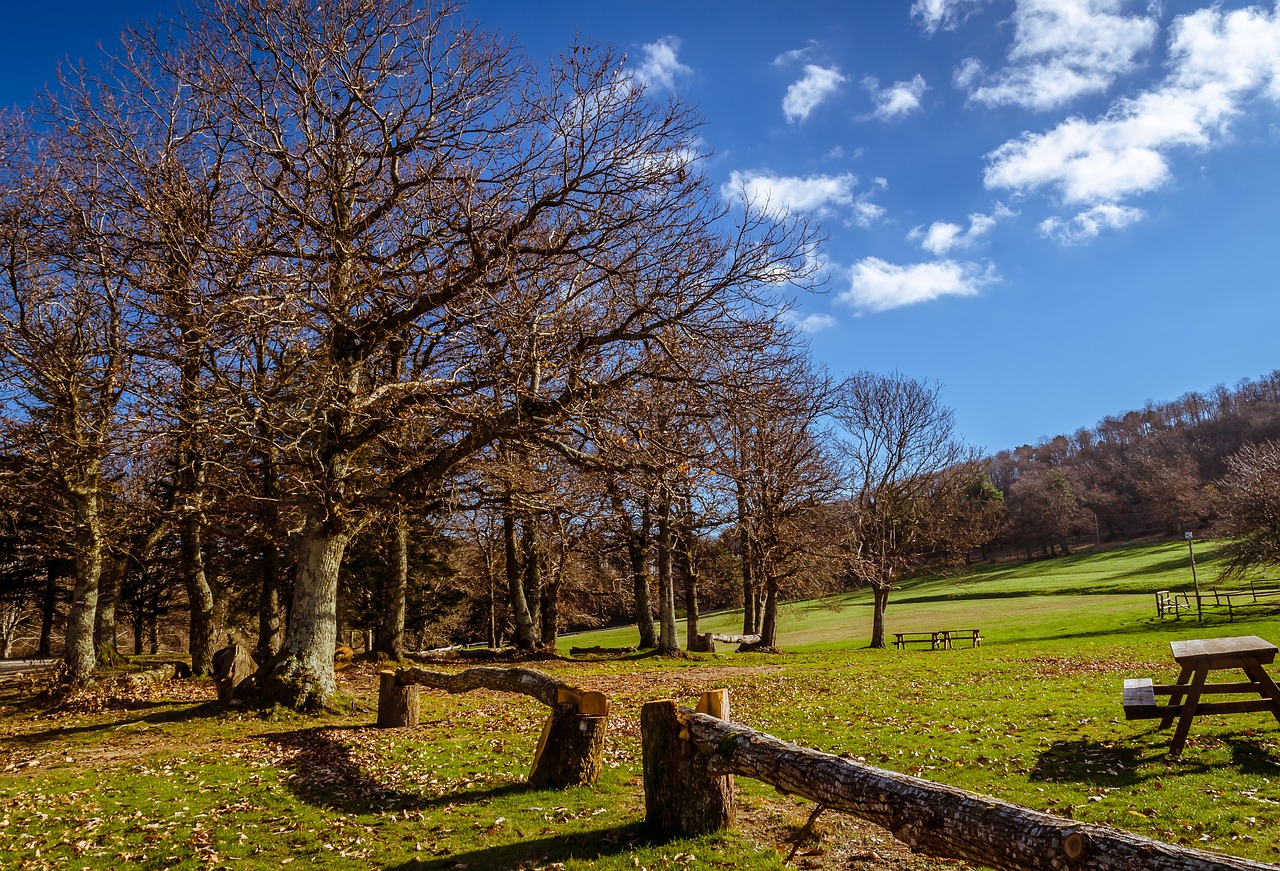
<point x="938" y="639"/>
<point x="1197" y="658"/>
<point x="1172" y="603"/>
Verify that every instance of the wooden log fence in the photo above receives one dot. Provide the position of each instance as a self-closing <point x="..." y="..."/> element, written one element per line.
<point x="931" y="818"/>
<point x="571" y="748"/>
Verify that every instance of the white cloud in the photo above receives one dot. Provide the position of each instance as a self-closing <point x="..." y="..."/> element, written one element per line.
<point x="942" y="14"/>
<point x="943" y="237"/>
<point x="877" y="285"/>
<point x="814" y="323"/>
<point x="1218" y="62"/>
<point x="777" y="194"/>
<point x="660" y="65"/>
<point x="1061" y="50"/>
<point x="816" y="194"/>
<point x="897" y="100"/>
<point x="1090" y="223"/>
<point x="795" y="55"/>
<point x="803" y="96"/>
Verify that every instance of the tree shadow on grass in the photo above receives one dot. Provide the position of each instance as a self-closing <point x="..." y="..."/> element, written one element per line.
<point x="1089" y="762"/>
<point x="582" y="846"/>
<point x="324" y="772"/>
<point x="178" y="712"/>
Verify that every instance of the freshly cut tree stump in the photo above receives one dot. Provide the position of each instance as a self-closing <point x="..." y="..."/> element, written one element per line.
<point x="571" y="749"/>
<point x="397" y="703"/>
<point x="682" y="794"/>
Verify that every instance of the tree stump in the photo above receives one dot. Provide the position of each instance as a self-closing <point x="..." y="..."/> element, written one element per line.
<point x="397" y="703"/>
<point x="682" y="796"/>
<point x="571" y="749"/>
<point x="702" y="643"/>
<point x="233" y="669"/>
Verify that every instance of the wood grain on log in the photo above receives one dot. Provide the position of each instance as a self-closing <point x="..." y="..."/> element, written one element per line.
<point x="937" y="819"/>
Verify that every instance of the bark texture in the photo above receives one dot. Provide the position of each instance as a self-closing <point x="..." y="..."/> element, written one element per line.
<point x="571" y="749"/>
<point x="526" y="681"/>
<point x="682" y="796"/>
<point x="936" y="819"/>
<point x="397" y="702"/>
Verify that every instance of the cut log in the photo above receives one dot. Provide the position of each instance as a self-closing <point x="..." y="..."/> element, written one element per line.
<point x="704" y="642"/>
<point x="937" y="819"/>
<point x="682" y="795"/>
<point x="234" y="671"/>
<point x="737" y="639"/>
<point x="597" y="650"/>
<point x="151" y="675"/>
<point x="397" y="702"/>
<point x="571" y="749"/>
<point x="526" y="681"/>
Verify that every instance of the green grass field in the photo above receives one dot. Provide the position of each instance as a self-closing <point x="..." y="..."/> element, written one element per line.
<point x="169" y="779"/>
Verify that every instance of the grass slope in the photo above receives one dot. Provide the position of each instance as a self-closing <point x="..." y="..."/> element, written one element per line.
<point x="166" y="778"/>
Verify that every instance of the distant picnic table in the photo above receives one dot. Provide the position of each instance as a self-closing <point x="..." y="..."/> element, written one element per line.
<point x="938" y="639"/>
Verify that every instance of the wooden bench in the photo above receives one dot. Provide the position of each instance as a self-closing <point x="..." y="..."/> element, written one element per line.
<point x="1140" y="699"/>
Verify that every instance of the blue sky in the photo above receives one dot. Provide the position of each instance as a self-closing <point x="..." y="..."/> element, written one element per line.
<point x="1058" y="209"/>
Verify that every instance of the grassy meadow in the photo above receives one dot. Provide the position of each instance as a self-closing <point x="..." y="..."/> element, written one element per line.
<point x="165" y="777"/>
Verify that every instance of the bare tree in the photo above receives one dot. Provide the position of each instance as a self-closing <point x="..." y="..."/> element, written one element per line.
<point x="518" y="237"/>
<point x="1247" y="498"/>
<point x="65" y="351"/>
<point x="908" y="473"/>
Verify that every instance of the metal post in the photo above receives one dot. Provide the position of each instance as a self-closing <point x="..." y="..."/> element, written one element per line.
<point x="1199" y="608"/>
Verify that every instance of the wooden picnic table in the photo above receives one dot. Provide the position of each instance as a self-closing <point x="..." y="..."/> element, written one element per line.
<point x="1197" y="659"/>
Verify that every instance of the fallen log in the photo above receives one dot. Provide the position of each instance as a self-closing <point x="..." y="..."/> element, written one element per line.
<point x="167" y="671"/>
<point x="571" y="748"/>
<point x="609" y="651"/>
<point x="736" y="639"/>
<point x="937" y="819"/>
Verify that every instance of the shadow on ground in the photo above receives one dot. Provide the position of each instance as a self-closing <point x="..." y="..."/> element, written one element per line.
<point x="1089" y="762"/>
<point x="171" y="713"/>
<point x="582" y="846"/>
<point x="324" y="772"/>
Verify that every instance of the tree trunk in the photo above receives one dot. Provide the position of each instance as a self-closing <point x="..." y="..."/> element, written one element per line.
<point x="55" y="569"/>
<point x="104" y="621"/>
<point x="532" y="565"/>
<point x="687" y="570"/>
<point x="390" y="637"/>
<point x="681" y="794"/>
<point x="301" y="675"/>
<point x="638" y="554"/>
<point x="550" y="609"/>
<point x="668" y="643"/>
<point x="199" y="597"/>
<point x="769" y="624"/>
<point x="936" y="819"/>
<point x="520" y="616"/>
<point x="79" y="653"/>
<point x="750" y="625"/>
<point x="879" y="601"/>
<point x="271" y="599"/>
